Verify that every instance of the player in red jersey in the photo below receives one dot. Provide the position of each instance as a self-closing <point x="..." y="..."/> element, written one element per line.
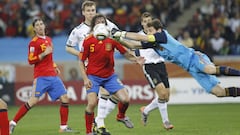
<point x="4" y="124"/>
<point x="76" y="38"/>
<point x="98" y="49"/>
<point x="40" y="54"/>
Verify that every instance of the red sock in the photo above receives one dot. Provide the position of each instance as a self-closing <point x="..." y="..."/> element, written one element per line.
<point x="21" y="112"/>
<point x="64" y="113"/>
<point x="4" y="123"/>
<point x="89" y="117"/>
<point x="122" y="108"/>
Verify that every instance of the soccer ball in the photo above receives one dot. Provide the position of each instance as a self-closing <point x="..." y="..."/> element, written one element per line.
<point x="101" y="31"/>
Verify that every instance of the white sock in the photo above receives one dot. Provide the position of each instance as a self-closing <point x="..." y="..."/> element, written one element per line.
<point x="153" y="105"/>
<point x="63" y="126"/>
<point x="163" y="111"/>
<point x="13" y="122"/>
<point x="101" y="112"/>
<point x="109" y="107"/>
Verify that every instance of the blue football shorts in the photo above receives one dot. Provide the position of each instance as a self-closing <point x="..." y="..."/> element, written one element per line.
<point x="196" y="69"/>
<point x="53" y="85"/>
<point x="112" y="84"/>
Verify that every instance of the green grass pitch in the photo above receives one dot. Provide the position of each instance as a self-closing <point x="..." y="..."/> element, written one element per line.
<point x="197" y="119"/>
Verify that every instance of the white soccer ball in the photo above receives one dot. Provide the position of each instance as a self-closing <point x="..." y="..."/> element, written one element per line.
<point x="101" y="31"/>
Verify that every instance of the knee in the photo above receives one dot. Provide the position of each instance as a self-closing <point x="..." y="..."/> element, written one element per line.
<point x="162" y="92"/>
<point x="33" y="101"/>
<point x="64" y="98"/>
<point x="3" y="105"/>
<point x="91" y="105"/>
<point x="219" y="93"/>
<point x="210" y="69"/>
<point x="125" y="100"/>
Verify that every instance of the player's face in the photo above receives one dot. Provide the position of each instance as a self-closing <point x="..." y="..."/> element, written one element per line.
<point x="89" y="12"/>
<point x="145" y="21"/>
<point x="100" y="20"/>
<point x="39" y="28"/>
<point x="151" y="30"/>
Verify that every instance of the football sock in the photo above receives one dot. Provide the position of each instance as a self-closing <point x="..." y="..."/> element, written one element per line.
<point x="4" y="123"/>
<point x="153" y="105"/>
<point x="64" y="113"/>
<point x="111" y="104"/>
<point x="122" y="108"/>
<point x="162" y="106"/>
<point x="232" y="92"/>
<point x="101" y="112"/>
<point x="21" y="112"/>
<point x="228" y="71"/>
<point x="89" y="117"/>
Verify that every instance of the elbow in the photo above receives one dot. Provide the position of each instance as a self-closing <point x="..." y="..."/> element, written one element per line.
<point x="31" y="62"/>
<point x="67" y="48"/>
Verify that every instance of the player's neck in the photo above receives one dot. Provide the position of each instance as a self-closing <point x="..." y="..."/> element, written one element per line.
<point x="88" y="23"/>
<point x="42" y="36"/>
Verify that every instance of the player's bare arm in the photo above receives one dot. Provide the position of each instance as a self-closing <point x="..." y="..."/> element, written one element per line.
<point x="133" y="58"/>
<point x="87" y="82"/>
<point x="72" y="50"/>
<point x="132" y="44"/>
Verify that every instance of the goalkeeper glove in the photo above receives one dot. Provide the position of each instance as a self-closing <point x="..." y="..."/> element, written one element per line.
<point x="118" y="33"/>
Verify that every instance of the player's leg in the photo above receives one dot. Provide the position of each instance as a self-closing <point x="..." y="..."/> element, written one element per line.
<point x="58" y="91"/>
<point x="201" y="71"/>
<point x="115" y="86"/>
<point x="89" y="112"/>
<point x="163" y="94"/>
<point x="92" y="101"/>
<point x="22" y="111"/>
<point x="205" y="65"/>
<point x="211" y="84"/>
<point x="157" y="76"/>
<point x="102" y="106"/>
<point x="39" y="88"/>
<point x="4" y="123"/>
<point x="111" y="104"/>
<point x="226" y="92"/>
<point x="145" y="110"/>
<point x="123" y="106"/>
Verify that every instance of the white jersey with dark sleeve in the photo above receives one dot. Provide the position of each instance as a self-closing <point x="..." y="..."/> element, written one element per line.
<point x="80" y="32"/>
<point x="78" y="35"/>
<point x="149" y="54"/>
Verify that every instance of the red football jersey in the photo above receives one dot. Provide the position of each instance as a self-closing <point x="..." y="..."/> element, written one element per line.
<point x="100" y="55"/>
<point x="44" y="67"/>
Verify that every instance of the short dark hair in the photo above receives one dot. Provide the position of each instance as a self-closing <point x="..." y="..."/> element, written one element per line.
<point x="145" y="15"/>
<point x="156" y="23"/>
<point x="95" y="18"/>
<point x="88" y="3"/>
<point x="35" y="20"/>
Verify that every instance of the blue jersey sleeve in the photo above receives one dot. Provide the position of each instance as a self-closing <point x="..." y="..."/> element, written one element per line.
<point x="160" y="37"/>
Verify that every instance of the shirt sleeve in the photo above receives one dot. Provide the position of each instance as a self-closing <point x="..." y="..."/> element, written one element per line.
<point x="160" y="37"/>
<point x="33" y="54"/>
<point x="75" y="38"/>
<point x="83" y="55"/>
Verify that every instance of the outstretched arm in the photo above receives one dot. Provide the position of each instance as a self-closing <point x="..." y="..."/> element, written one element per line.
<point x="132" y="44"/>
<point x="130" y="35"/>
<point x="130" y="56"/>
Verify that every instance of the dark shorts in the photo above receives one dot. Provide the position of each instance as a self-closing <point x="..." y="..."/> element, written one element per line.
<point x="155" y="74"/>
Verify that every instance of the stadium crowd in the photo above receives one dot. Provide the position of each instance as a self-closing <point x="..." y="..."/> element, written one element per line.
<point x="213" y="29"/>
<point x="63" y="15"/>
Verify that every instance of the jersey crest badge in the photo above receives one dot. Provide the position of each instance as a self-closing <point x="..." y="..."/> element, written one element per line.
<point x="108" y="47"/>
